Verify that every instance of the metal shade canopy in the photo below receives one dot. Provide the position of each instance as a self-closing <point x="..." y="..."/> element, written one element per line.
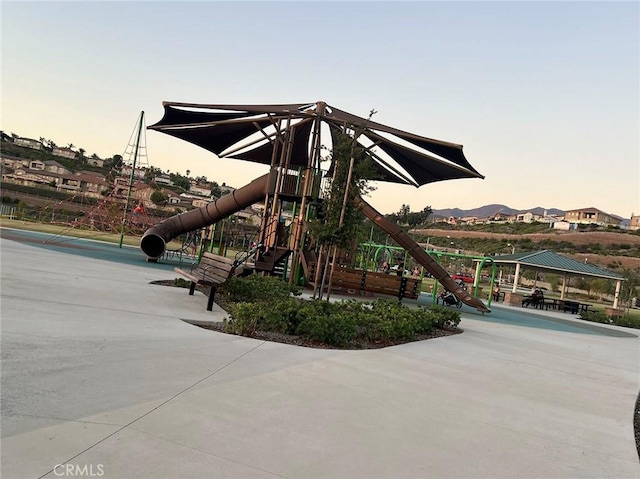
<point x="259" y="133"/>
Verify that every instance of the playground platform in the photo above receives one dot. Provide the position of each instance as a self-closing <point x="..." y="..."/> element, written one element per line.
<point x="101" y="373"/>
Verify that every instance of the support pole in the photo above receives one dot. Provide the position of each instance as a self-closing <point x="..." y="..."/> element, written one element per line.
<point x="616" y="296"/>
<point x="516" y="276"/>
<point x="133" y="171"/>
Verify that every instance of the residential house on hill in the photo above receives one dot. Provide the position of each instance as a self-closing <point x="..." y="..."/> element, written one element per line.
<point x="63" y="152"/>
<point x="528" y="217"/>
<point x="28" y="143"/>
<point x="202" y="189"/>
<point x="249" y="215"/>
<point x="634" y="224"/>
<point x="163" y="180"/>
<point x="137" y="175"/>
<point x="51" y="174"/>
<point x="95" y="161"/>
<point x="49" y="165"/>
<point x="591" y="216"/>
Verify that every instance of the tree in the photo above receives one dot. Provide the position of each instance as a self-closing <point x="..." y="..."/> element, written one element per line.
<point x="599" y="286"/>
<point x="403" y="214"/>
<point x="327" y="229"/>
<point x="216" y="192"/>
<point x="158" y="198"/>
<point x="180" y="181"/>
<point x="117" y="161"/>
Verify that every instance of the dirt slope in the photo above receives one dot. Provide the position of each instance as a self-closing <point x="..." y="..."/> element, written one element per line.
<point x="578" y="238"/>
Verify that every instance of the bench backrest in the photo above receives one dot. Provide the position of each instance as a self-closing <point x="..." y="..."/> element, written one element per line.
<point x="215" y="269"/>
<point x="374" y="282"/>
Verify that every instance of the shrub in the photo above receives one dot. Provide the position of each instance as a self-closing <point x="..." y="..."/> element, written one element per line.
<point x="265" y="304"/>
<point x="181" y="283"/>
<point x="445" y="317"/>
<point x="600" y="317"/>
<point x="326" y="323"/>
<point x="595" y="317"/>
<point x="628" y="322"/>
<point x="257" y="288"/>
<point x="279" y="316"/>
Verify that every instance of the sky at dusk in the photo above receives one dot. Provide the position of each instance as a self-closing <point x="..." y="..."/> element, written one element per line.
<point x="544" y="96"/>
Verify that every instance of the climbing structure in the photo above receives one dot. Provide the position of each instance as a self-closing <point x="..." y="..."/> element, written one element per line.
<point x="291" y="139"/>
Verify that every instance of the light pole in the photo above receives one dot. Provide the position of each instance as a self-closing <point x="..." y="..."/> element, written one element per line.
<point x="513" y="248"/>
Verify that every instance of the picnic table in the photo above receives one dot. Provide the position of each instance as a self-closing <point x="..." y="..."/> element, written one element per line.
<point x="565" y="306"/>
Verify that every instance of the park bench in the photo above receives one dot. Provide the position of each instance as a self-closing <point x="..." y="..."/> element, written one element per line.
<point x="213" y="271"/>
<point x="360" y="281"/>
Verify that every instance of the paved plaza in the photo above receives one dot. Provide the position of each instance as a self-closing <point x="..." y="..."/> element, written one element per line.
<point x="103" y="376"/>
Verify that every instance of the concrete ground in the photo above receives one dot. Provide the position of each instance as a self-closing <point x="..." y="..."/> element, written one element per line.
<point x="102" y="377"/>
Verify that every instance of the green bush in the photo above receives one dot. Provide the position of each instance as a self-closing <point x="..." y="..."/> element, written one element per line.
<point x="445" y="317"/>
<point x="265" y="304"/>
<point x="181" y="283"/>
<point x="595" y="317"/>
<point x="258" y="288"/>
<point x="600" y="317"/>
<point x="628" y="322"/>
<point x="247" y="318"/>
<point x="326" y="323"/>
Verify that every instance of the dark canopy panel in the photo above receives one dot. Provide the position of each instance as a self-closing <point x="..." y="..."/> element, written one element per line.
<point x="424" y="169"/>
<point x="218" y="128"/>
<point x="449" y="151"/>
<point x="381" y="173"/>
<point x="173" y="116"/>
<point x="217" y="137"/>
<point x="299" y="152"/>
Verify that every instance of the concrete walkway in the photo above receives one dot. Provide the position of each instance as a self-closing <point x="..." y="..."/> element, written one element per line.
<point x="100" y="375"/>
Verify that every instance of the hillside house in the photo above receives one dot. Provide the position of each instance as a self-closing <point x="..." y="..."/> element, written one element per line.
<point x="55" y="167"/>
<point x="200" y="203"/>
<point x="163" y="180"/>
<point x="95" y="161"/>
<point x="137" y="175"/>
<point x="49" y="175"/>
<point x="563" y="225"/>
<point x="64" y="152"/>
<point x="468" y="220"/>
<point x="634" y="224"/>
<point x="203" y="189"/>
<point x="92" y="184"/>
<point x="591" y="216"/>
<point x="250" y="216"/>
<point x="28" y="143"/>
<point x="527" y="217"/>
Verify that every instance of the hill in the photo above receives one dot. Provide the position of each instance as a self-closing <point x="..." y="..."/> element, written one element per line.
<point x="493" y="209"/>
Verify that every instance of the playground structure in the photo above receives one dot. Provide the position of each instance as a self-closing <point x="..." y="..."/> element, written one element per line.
<point x="372" y="255"/>
<point x="118" y="212"/>
<point x="288" y="139"/>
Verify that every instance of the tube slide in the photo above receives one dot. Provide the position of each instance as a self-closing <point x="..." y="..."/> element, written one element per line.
<point x="421" y="256"/>
<point x="153" y="242"/>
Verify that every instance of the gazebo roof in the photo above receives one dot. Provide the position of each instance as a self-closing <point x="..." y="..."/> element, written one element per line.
<point x="554" y="263"/>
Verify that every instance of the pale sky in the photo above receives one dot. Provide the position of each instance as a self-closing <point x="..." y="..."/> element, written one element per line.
<point x="544" y="96"/>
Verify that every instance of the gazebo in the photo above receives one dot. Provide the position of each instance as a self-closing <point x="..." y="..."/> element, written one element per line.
<point x="550" y="262"/>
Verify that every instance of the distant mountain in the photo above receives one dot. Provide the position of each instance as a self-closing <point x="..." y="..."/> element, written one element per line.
<point x="491" y="210"/>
